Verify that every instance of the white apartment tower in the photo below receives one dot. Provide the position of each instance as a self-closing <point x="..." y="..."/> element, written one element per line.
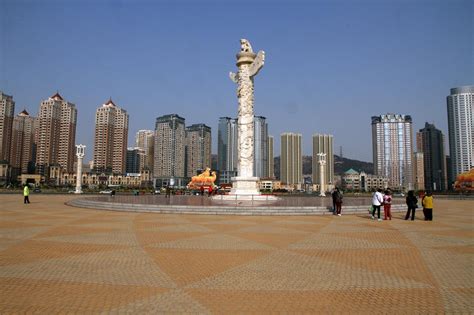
<point x="392" y="146"/>
<point x="198" y="148"/>
<point x="323" y="144"/>
<point x="22" y="145"/>
<point x="145" y="140"/>
<point x="291" y="160"/>
<point x="56" y="135"/>
<point x="170" y="142"/>
<point x="110" y="140"/>
<point x="7" y="110"/>
<point x="460" y="129"/>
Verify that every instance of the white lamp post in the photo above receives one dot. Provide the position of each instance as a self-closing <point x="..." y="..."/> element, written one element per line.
<point x="80" y="151"/>
<point x="322" y="163"/>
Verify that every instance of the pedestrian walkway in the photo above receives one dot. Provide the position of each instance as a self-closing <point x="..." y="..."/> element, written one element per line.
<point x="60" y="259"/>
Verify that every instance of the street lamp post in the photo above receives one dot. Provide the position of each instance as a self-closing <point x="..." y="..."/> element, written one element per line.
<point x="322" y="163"/>
<point x="80" y="152"/>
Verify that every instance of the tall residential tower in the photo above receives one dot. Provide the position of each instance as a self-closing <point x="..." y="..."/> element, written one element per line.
<point x="323" y="144"/>
<point x="7" y="110"/>
<point x="56" y="135"/>
<point x="110" y="141"/>
<point x="291" y="160"/>
<point x="393" y="149"/>
<point x="461" y="132"/>
<point x="22" y="146"/>
<point x="170" y="142"/>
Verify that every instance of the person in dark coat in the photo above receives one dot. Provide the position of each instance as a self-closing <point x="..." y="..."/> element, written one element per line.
<point x="412" y="203"/>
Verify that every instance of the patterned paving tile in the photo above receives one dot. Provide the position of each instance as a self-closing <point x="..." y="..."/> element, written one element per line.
<point x="59" y="259"/>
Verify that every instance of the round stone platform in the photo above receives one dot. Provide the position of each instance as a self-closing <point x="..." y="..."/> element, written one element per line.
<point x="287" y="205"/>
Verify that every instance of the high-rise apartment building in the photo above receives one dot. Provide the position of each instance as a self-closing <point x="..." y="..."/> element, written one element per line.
<point x="430" y="141"/>
<point x="260" y="155"/>
<point x="56" y="135"/>
<point x="323" y="144"/>
<point x="291" y="160"/>
<point x="393" y="149"/>
<point x="198" y="148"/>
<point x="7" y="110"/>
<point x="22" y="145"/>
<point x="460" y="129"/>
<point x="110" y="140"/>
<point x="271" y="162"/>
<point x="419" y="170"/>
<point x="170" y="140"/>
<point x="145" y="139"/>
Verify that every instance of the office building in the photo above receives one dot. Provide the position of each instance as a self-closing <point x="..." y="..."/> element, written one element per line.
<point x="22" y="145"/>
<point x="145" y="139"/>
<point x="260" y="155"/>
<point x="323" y="144"/>
<point x="393" y="149"/>
<point x="7" y="110"/>
<point x="291" y="160"/>
<point x="430" y="141"/>
<point x="271" y="161"/>
<point x="170" y="140"/>
<point x="227" y="145"/>
<point x="56" y="135"/>
<point x="110" y="141"/>
<point x="198" y="149"/>
<point x="460" y="129"/>
<point x="227" y="148"/>
<point x="135" y="160"/>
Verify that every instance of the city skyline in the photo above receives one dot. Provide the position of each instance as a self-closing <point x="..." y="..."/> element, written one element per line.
<point x="345" y="66"/>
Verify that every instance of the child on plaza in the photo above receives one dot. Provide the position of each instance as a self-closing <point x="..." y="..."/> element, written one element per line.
<point x="427" y="203"/>
<point x="387" y="205"/>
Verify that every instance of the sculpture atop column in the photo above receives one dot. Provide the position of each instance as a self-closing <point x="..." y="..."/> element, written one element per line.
<point x="322" y="179"/>
<point x="80" y="152"/>
<point x="249" y="65"/>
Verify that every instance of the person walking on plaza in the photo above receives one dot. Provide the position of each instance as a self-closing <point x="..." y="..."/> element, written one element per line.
<point x="338" y="200"/>
<point x="26" y="194"/>
<point x="377" y="201"/>
<point x="427" y="203"/>
<point x="412" y="203"/>
<point x="333" y="195"/>
<point x="387" y="205"/>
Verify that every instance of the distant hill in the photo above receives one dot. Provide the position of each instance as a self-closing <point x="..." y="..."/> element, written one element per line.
<point x="340" y="165"/>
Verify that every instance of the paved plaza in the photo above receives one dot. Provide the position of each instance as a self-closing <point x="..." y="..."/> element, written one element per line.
<point x="60" y="259"/>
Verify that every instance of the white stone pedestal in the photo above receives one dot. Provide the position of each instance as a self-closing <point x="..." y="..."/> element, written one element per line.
<point x="246" y="186"/>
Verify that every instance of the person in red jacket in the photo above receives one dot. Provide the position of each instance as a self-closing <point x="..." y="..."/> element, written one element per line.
<point x="387" y="205"/>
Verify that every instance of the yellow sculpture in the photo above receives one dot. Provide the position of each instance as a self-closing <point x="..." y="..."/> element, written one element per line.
<point x="465" y="181"/>
<point x="206" y="178"/>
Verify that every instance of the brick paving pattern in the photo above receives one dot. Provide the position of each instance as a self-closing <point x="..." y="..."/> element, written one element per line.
<point x="60" y="259"/>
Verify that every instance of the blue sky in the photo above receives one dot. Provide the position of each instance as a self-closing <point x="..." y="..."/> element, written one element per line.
<point x="330" y="65"/>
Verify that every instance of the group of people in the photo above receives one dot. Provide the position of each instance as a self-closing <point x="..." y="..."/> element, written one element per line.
<point x="384" y="199"/>
<point x="426" y="203"/>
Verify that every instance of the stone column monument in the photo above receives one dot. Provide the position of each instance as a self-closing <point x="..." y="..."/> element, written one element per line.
<point x="80" y="151"/>
<point x="322" y="179"/>
<point x="249" y="64"/>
